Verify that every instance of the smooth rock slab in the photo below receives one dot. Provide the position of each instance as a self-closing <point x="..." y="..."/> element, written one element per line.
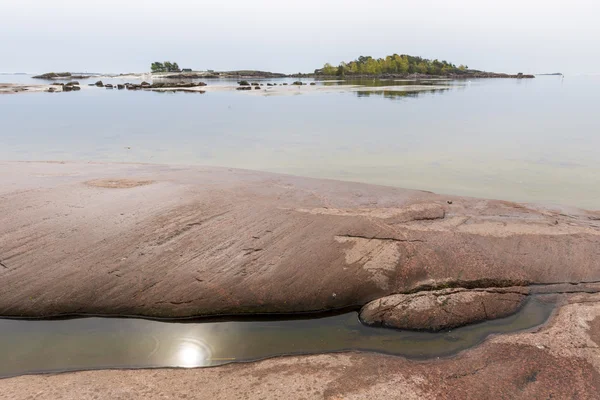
<point x="441" y="309"/>
<point x="172" y="241"/>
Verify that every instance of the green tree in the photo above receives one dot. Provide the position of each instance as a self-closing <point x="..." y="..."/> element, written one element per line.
<point x="328" y="69"/>
<point x="394" y="64"/>
<point x="157" y="67"/>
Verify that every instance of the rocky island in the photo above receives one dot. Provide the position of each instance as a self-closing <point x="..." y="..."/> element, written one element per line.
<point x="168" y="76"/>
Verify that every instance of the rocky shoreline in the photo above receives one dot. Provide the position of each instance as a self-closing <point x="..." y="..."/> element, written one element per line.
<point x="243" y="256"/>
<point x="466" y="75"/>
<point x="249" y="74"/>
<point x="172" y="242"/>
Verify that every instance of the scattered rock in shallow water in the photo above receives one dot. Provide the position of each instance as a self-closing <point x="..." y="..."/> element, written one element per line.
<point x="74" y="83"/>
<point x="67" y="88"/>
<point x="269" y="84"/>
<point x="108" y="86"/>
<point x="442" y="309"/>
<point x="255" y="84"/>
<point x="257" y="87"/>
<point x="244" y="88"/>
<point x="145" y="84"/>
<point x="120" y="87"/>
<point x="244" y="83"/>
<point x="298" y="83"/>
<point x="312" y="83"/>
<point x="76" y="88"/>
<point x="51" y="90"/>
<point x="99" y="84"/>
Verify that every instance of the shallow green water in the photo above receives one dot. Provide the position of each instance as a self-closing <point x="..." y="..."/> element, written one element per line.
<point x="95" y="343"/>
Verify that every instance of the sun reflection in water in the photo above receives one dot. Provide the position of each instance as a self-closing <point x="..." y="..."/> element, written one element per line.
<point x="193" y="353"/>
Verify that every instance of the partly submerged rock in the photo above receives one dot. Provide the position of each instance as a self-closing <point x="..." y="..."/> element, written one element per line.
<point x="442" y="309"/>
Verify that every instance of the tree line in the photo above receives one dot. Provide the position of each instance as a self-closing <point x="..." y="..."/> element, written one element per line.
<point x="167" y="66"/>
<point x="394" y="64"/>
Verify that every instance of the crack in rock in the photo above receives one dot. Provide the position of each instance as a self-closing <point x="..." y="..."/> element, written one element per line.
<point x="389" y="239"/>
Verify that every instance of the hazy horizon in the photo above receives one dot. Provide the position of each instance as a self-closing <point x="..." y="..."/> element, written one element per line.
<point x="296" y="36"/>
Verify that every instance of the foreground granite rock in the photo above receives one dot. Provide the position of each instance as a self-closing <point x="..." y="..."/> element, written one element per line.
<point x="442" y="309"/>
<point x="558" y="361"/>
<point x="173" y="242"/>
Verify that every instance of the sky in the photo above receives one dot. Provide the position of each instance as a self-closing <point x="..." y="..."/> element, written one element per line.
<point x="530" y="36"/>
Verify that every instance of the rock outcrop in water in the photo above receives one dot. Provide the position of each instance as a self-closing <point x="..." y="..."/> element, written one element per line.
<point x="53" y="75"/>
<point x="442" y="309"/>
<point x="60" y="75"/>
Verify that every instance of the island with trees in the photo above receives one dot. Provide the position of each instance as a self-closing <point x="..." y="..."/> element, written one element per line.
<point x="403" y="65"/>
<point x="395" y="66"/>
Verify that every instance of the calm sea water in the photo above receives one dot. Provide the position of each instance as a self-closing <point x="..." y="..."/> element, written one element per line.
<point x="525" y="140"/>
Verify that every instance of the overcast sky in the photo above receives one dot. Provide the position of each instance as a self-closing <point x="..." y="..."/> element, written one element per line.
<point x="531" y="36"/>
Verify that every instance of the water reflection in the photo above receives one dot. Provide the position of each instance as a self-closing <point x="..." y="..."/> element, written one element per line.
<point x="370" y="82"/>
<point x="193" y="352"/>
<point x="399" y="94"/>
<point x="94" y="343"/>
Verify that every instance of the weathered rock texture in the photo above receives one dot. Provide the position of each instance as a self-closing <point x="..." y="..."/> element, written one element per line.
<point x="560" y="361"/>
<point x="442" y="309"/>
<point x="86" y="238"/>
